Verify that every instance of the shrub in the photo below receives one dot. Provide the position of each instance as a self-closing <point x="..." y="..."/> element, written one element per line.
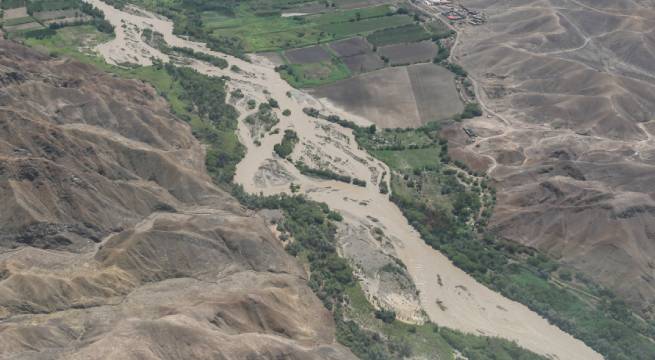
<point x="289" y="141"/>
<point x="388" y="316"/>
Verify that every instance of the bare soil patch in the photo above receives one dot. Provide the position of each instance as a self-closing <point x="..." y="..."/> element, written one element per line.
<point x="412" y="53"/>
<point x="27" y="26"/>
<point x="273" y="57"/>
<point x="16" y="13"/>
<point x="397" y="96"/>
<point x="384" y="96"/>
<point x="312" y="54"/>
<point x="435" y="92"/>
<point x="359" y="64"/>
<point x="351" y="47"/>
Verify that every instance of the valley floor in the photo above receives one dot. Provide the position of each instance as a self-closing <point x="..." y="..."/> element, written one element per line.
<point x="458" y="302"/>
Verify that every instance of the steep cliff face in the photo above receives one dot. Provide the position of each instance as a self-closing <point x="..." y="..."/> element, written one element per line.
<point x="114" y="243"/>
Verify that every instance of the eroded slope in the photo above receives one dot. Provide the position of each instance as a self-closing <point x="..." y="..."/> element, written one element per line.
<point x="571" y="87"/>
<point x="115" y="244"/>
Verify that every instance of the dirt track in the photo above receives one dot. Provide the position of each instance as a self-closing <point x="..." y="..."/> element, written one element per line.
<point x="460" y="302"/>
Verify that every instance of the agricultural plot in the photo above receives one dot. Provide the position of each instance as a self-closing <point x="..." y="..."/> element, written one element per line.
<point x="49" y="5"/>
<point x="402" y="34"/>
<point x="341" y="30"/>
<point x="274" y="57"/>
<point x="355" y="4"/>
<point x="439" y="28"/>
<point x="23" y="27"/>
<point x="13" y="4"/>
<point x="72" y="39"/>
<point x="356" y="53"/>
<point x="351" y="47"/>
<point x="15" y="13"/>
<point x="359" y="64"/>
<point x="397" y="96"/>
<point x="269" y="31"/>
<point x="405" y="54"/>
<point x="315" y="74"/>
<point x="213" y="19"/>
<point x="308" y="9"/>
<point x="312" y="54"/>
<point x="384" y="96"/>
<point x="18" y="21"/>
<point x="435" y="92"/>
<point x="344" y="16"/>
<point x="58" y="14"/>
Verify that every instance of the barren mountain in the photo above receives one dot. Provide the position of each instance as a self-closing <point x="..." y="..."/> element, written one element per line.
<point x="114" y="243"/>
<point x="570" y="86"/>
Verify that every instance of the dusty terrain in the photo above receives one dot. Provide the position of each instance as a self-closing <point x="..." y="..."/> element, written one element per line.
<point x="478" y="309"/>
<point x="458" y="301"/>
<point x="569" y="87"/>
<point x="115" y="244"/>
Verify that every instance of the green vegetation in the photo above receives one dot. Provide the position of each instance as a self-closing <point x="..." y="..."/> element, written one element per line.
<point x="18" y="21"/>
<point x="156" y="40"/>
<point x="444" y="201"/>
<point x="471" y="110"/>
<point x="346" y="29"/>
<point x="314" y="74"/>
<point x="213" y="60"/>
<point x="322" y="173"/>
<point x="289" y="141"/>
<point x="442" y="55"/>
<point x="449" y="205"/>
<point x="203" y="101"/>
<point x="439" y="29"/>
<point x="371" y="334"/>
<point x="12" y="4"/>
<point x="34" y="6"/>
<point x="67" y="40"/>
<point x="402" y="34"/>
<point x="262" y="121"/>
<point x="359" y="182"/>
<point x="255" y="26"/>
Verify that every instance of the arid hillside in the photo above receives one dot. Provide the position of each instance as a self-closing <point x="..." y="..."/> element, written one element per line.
<point x="114" y="243"/>
<point x="570" y="89"/>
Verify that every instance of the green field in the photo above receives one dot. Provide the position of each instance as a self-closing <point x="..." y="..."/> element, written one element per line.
<point x="18" y="21"/>
<point x="257" y="26"/>
<point x="350" y="28"/>
<point x="42" y="5"/>
<point x="68" y="40"/>
<point x="12" y="4"/>
<point x="271" y="33"/>
<point x="410" y="158"/>
<point x="402" y="34"/>
<point x="350" y="15"/>
<point x="439" y="29"/>
<point x="315" y="74"/>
